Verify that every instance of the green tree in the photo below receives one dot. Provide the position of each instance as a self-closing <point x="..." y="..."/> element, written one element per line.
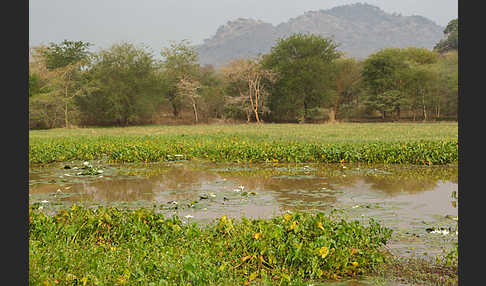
<point x="452" y="41"/>
<point x="445" y="89"/>
<point x="123" y="87"/>
<point x="304" y="75"/>
<point x="34" y="84"/>
<point x="57" y="71"/>
<point x="383" y="75"/>
<point x="179" y="60"/>
<point x="65" y="53"/>
<point x="421" y="80"/>
<point x="347" y="83"/>
<point x="419" y="84"/>
<point x="212" y="100"/>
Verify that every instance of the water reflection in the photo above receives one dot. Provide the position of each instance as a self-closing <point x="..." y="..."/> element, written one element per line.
<point x="287" y="186"/>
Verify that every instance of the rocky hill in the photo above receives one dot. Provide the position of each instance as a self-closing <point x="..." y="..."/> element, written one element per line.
<point x="358" y="29"/>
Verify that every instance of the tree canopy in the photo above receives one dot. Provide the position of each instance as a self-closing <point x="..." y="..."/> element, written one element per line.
<point x="123" y="88"/>
<point x="304" y="75"/>
<point x="452" y="41"/>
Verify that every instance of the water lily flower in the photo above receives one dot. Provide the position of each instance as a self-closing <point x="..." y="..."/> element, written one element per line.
<point x="443" y="232"/>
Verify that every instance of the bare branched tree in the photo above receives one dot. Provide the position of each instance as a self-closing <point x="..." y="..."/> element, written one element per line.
<point x="187" y="88"/>
<point x="248" y="76"/>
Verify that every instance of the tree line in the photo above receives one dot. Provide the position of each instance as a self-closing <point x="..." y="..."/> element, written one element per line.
<point x="304" y="78"/>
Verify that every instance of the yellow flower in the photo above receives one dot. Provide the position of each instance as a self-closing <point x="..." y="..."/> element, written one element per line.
<point x="324" y="251"/>
<point x="354" y="263"/>
<point x="223" y="218"/>
<point x="257" y="235"/>
<point x="293" y="225"/>
<point x="287" y="217"/>
<point x="319" y="225"/>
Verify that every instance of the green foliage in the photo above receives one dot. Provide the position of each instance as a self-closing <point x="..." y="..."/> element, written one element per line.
<point x="303" y="64"/>
<point x="45" y="112"/>
<point x="227" y="148"/>
<point x="452" y="40"/>
<point x="65" y="53"/>
<point x="107" y="246"/>
<point x="35" y="85"/>
<point x="179" y="60"/>
<point x="309" y="82"/>
<point x="123" y="87"/>
<point x="383" y="77"/>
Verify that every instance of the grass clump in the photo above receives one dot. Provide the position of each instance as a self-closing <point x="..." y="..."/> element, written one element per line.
<point x="110" y="246"/>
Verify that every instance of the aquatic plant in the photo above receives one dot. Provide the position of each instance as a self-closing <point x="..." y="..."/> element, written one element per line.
<point x="230" y="149"/>
<point x="107" y="246"/>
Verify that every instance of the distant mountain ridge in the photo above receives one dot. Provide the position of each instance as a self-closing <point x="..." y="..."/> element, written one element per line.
<point x="359" y="30"/>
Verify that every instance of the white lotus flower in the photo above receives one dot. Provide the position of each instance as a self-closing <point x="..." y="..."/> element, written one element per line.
<point x="444" y="232"/>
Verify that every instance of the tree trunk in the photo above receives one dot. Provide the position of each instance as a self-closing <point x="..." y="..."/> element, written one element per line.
<point x="195" y="111"/>
<point x="175" y="111"/>
<point x="424" y="108"/>
<point x="66" y="123"/>
<point x="332" y="116"/>
<point x="334" y="110"/>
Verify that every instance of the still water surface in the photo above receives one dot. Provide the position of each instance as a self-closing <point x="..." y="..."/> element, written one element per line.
<point x="408" y="199"/>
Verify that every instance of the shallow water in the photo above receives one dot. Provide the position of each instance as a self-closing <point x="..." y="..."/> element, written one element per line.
<point x="408" y="199"/>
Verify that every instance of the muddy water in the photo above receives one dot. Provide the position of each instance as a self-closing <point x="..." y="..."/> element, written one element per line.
<point x="408" y="199"/>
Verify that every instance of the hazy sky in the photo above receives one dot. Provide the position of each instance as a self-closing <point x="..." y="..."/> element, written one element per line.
<point x="157" y="22"/>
